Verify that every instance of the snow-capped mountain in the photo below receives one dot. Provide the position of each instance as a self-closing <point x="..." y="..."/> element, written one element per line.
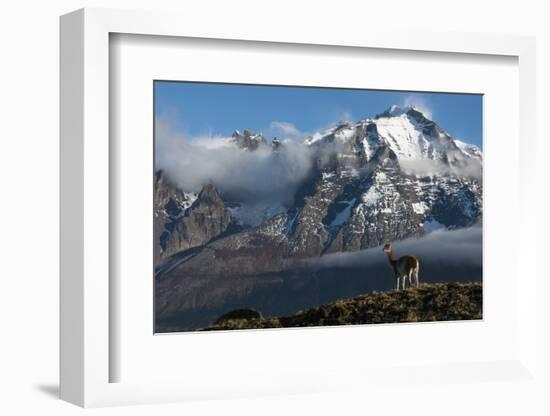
<point x="386" y="178"/>
<point x="410" y="135"/>
<point x="379" y="179"/>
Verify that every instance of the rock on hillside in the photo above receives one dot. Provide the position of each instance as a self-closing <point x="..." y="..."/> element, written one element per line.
<point x="202" y="221"/>
<point x="170" y="205"/>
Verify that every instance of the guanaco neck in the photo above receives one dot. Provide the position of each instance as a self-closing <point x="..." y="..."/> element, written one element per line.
<point x="390" y="257"/>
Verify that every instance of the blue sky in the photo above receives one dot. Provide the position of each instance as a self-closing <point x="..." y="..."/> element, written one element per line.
<point x="204" y="109"/>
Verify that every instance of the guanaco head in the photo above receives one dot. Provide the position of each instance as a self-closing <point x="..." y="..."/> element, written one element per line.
<point x="387" y="247"/>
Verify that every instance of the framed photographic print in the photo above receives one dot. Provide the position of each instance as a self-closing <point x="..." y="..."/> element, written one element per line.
<point x="284" y="213"/>
<point x="295" y="220"/>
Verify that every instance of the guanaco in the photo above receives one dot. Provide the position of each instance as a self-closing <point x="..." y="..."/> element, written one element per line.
<point x="404" y="268"/>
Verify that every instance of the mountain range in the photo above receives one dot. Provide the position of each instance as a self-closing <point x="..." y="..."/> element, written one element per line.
<point x="394" y="176"/>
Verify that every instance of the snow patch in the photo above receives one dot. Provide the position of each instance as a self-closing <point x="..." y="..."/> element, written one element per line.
<point x="345" y="134"/>
<point x="469" y="149"/>
<point x="371" y="197"/>
<point x="419" y="207"/>
<point x="403" y="138"/>
<point x="190" y="198"/>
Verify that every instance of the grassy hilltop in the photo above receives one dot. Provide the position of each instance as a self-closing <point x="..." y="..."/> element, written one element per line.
<point x="430" y="302"/>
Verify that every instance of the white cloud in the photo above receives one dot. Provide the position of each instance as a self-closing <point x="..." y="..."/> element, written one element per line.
<point x="258" y="176"/>
<point x="345" y="116"/>
<point x="450" y="247"/>
<point x="284" y="130"/>
<point x="420" y="103"/>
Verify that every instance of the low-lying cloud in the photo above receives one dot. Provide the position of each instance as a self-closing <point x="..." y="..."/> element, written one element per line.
<point x="459" y="247"/>
<point x="284" y="130"/>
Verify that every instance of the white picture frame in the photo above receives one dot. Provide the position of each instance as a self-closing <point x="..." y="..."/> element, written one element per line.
<point x="85" y="307"/>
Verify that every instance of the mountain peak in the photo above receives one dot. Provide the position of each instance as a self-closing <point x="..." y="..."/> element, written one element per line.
<point x="210" y="195"/>
<point x="248" y="140"/>
<point x="396" y="111"/>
